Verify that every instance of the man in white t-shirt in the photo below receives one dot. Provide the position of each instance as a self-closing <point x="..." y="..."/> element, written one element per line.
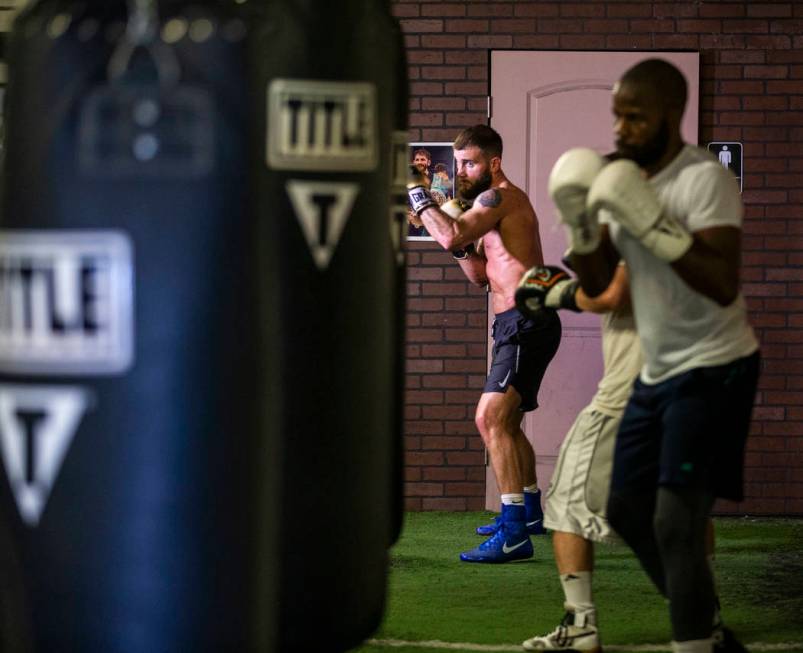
<point x="576" y="502"/>
<point x="674" y="214"/>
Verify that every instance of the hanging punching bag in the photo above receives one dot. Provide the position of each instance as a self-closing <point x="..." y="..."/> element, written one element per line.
<point x="199" y="326"/>
<point x="399" y="177"/>
<point x="328" y="97"/>
<point x="137" y="490"/>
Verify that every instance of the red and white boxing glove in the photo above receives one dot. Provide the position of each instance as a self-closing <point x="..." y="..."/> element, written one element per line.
<point x="569" y="183"/>
<point x="622" y="189"/>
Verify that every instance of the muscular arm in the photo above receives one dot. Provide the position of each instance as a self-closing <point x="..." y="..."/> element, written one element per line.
<point x="711" y="265"/>
<point x="453" y="233"/>
<point x="616" y="297"/>
<point x="706" y="257"/>
<point x="596" y="270"/>
<point x="473" y="267"/>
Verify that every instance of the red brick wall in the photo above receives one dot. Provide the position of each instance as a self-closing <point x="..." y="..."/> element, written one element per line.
<point x="751" y="91"/>
<point x="446" y="345"/>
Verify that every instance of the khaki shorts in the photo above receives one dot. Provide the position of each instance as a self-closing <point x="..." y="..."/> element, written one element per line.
<point x="578" y="493"/>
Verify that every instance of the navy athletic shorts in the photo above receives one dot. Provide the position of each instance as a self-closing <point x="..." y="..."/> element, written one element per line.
<point x="688" y="431"/>
<point x="522" y="350"/>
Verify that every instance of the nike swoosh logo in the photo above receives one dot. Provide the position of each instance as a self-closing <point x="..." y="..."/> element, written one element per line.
<point x="509" y="549"/>
<point x="533" y="523"/>
<point x="504" y="381"/>
<point x="571" y="638"/>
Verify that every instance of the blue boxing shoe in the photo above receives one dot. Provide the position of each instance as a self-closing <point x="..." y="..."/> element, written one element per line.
<point x="535" y="517"/>
<point x="534" y="513"/>
<point x="487" y="530"/>
<point x="510" y="542"/>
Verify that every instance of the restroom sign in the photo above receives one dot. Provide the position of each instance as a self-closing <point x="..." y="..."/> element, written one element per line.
<point x="729" y="155"/>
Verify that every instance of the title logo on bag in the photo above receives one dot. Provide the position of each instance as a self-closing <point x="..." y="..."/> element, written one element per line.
<point x="321" y="125"/>
<point x="322" y="209"/>
<point x="66" y="301"/>
<point x="37" y="426"/>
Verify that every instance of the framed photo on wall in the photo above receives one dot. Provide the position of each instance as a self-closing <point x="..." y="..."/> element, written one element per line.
<point x="436" y="161"/>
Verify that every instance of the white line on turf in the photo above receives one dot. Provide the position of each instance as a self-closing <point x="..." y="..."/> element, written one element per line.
<point x="445" y="646"/>
<point x="758" y="647"/>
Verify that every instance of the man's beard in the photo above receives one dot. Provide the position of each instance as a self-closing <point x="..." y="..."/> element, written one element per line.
<point x="471" y="191"/>
<point x="647" y="154"/>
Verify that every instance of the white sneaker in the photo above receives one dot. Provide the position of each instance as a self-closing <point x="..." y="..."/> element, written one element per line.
<point x="567" y="637"/>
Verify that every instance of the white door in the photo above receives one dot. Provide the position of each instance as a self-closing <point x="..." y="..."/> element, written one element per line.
<point x="543" y="103"/>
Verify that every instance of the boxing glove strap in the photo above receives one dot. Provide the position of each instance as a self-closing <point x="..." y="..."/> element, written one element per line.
<point x="420" y="198"/>
<point x="668" y="239"/>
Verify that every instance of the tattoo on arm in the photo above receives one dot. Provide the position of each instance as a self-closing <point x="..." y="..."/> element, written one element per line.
<point x="490" y="198"/>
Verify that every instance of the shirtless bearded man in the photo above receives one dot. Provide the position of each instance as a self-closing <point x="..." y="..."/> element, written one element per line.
<point x="494" y="241"/>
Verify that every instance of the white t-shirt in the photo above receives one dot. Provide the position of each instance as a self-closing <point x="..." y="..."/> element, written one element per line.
<point x="622" y="360"/>
<point x="681" y="329"/>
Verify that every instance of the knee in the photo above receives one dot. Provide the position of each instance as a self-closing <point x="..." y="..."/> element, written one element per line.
<point x="675" y="526"/>
<point x="668" y="532"/>
<point x="483" y="422"/>
<point x="489" y="423"/>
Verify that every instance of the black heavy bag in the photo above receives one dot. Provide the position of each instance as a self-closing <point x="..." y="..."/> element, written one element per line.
<point x="399" y="171"/>
<point x="327" y="98"/>
<point x="137" y="491"/>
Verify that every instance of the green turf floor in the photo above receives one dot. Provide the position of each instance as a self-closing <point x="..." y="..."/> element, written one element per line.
<point x="434" y="596"/>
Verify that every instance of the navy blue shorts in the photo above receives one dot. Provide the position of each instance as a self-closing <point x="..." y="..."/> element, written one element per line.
<point x="688" y="431"/>
<point x="522" y="350"/>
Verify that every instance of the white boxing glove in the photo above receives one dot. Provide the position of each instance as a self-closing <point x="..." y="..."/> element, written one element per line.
<point x="569" y="182"/>
<point x="455" y="208"/>
<point x="623" y="190"/>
